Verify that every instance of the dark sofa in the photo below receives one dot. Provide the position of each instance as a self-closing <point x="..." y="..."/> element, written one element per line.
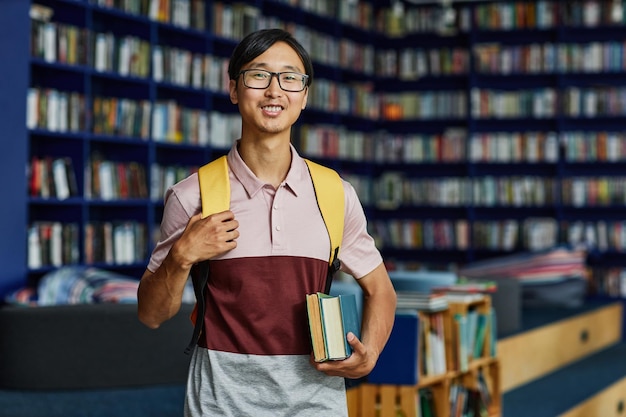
<point x="90" y="346"/>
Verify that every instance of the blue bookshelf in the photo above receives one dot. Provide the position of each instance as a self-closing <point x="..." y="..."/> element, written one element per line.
<point x="14" y="34"/>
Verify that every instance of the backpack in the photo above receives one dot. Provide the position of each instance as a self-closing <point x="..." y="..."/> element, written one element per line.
<point x="215" y="198"/>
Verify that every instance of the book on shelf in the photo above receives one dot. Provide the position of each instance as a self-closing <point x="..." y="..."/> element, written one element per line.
<point x="421" y="301"/>
<point x="398" y="361"/>
<point x="330" y="319"/>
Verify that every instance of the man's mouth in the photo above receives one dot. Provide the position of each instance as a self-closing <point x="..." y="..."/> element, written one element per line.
<point x="272" y="109"/>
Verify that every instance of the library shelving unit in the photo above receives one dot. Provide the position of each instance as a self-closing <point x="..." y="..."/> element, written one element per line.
<point x="14" y="34"/>
<point x="111" y="102"/>
<point x="502" y="134"/>
<point x="535" y="93"/>
<point x="466" y="383"/>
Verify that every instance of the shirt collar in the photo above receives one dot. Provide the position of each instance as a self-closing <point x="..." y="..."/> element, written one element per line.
<point x="296" y="178"/>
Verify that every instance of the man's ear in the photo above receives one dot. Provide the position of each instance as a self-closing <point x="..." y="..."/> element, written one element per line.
<point x="232" y="87"/>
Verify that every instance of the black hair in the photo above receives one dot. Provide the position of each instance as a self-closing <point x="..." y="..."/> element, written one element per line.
<point x="260" y="41"/>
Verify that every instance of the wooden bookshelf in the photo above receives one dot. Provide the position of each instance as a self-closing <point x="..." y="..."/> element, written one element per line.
<point x="369" y="400"/>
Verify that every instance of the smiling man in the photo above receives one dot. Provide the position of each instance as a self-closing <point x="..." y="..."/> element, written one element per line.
<point x="254" y="356"/>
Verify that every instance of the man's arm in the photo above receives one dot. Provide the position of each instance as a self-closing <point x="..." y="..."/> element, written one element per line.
<point x="160" y="292"/>
<point x="379" y="308"/>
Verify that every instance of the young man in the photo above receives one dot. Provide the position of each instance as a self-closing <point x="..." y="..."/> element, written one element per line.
<point x="268" y="251"/>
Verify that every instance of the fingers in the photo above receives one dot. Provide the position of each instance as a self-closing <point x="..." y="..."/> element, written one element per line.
<point x="355" y="366"/>
<point x="209" y="237"/>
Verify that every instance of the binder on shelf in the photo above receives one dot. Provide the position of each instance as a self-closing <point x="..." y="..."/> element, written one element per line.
<point x="398" y="362"/>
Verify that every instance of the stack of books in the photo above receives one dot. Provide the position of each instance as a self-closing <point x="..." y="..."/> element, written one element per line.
<point x="414" y="300"/>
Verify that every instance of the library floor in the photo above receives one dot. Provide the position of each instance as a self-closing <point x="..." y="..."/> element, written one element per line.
<point x="158" y="401"/>
<point x="543" y="397"/>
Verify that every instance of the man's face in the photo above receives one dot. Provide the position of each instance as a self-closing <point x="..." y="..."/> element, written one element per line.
<point x="270" y="110"/>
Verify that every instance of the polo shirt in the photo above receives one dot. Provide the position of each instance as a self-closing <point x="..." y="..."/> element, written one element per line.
<point x="253" y="358"/>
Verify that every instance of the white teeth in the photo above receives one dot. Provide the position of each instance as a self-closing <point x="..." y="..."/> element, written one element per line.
<point x="272" y="108"/>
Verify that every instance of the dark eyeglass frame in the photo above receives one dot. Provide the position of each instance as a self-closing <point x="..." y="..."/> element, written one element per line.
<point x="305" y="79"/>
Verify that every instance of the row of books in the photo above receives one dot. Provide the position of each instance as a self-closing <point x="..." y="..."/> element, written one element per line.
<point x="162" y="177"/>
<point x="234" y="21"/>
<point x="192" y="13"/>
<point x="590" y="57"/>
<point x="184" y="68"/>
<point x="533" y="233"/>
<point x="447" y="234"/>
<point x="472" y="331"/>
<point x="593" y="102"/>
<point x="594" y="191"/>
<point x="609" y="282"/>
<point x="470" y="401"/>
<point x="184" y="13"/>
<point x="507" y="147"/>
<point x="417" y="234"/>
<point x="128" y="56"/>
<point x="594" y="146"/>
<point x="515" y="15"/>
<point x="52" y="244"/>
<point x="56" y="42"/>
<point x="113" y="180"/>
<point x="176" y="124"/>
<point x="328" y="141"/>
<point x="356" y="99"/>
<point x="393" y="190"/>
<point x="601" y="235"/>
<point x="539" y="103"/>
<point x="505" y="16"/>
<point x="55" y="243"/>
<point x="506" y="235"/>
<point x="357" y="13"/>
<point x="414" y="63"/>
<point x="399" y="21"/>
<point x="548" y="102"/>
<point x="123" y="117"/>
<point x="115" y="242"/>
<point x="54" y="110"/>
<point x="427" y="105"/>
<point x="430" y="343"/>
<point x="59" y="42"/>
<point x="164" y="121"/>
<point x="50" y="177"/>
<point x="173" y="123"/>
<point x="56" y="178"/>
<point x="493" y="147"/>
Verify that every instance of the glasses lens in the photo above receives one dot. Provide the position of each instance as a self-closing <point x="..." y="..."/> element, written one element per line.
<point x="292" y="81"/>
<point x="257" y="78"/>
<point x="288" y="81"/>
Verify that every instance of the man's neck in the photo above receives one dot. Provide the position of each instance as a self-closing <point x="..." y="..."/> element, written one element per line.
<point x="268" y="159"/>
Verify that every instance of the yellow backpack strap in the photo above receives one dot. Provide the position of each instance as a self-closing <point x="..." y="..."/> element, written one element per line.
<point x="330" y="199"/>
<point x="215" y="197"/>
<point x="214" y="186"/>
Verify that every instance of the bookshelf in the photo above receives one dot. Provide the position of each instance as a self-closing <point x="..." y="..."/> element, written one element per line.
<point x="462" y="145"/>
<point x="123" y="99"/>
<point x="14" y="34"/>
<point x="441" y="391"/>
<point x="526" y="92"/>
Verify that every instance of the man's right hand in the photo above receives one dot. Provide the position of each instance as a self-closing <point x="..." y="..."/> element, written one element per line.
<point x="206" y="238"/>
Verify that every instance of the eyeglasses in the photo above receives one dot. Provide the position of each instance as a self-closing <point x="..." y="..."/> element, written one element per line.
<point x="260" y="79"/>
